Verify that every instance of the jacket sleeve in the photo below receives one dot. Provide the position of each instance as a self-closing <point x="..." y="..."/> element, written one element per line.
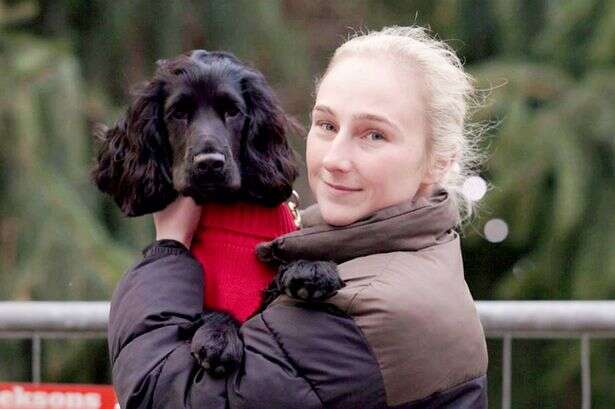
<point x="296" y="355"/>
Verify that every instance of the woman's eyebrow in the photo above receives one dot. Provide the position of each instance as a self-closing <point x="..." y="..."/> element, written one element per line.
<point x="376" y="118"/>
<point x="324" y="108"/>
<point x="363" y="116"/>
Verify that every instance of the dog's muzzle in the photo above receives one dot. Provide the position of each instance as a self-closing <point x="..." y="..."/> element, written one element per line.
<point x="209" y="162"/>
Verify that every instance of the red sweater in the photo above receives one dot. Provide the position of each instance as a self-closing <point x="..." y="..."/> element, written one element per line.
<point x="224" y="244"/>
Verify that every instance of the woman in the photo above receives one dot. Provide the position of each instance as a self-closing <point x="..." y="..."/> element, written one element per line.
<point x="386" y="156"/>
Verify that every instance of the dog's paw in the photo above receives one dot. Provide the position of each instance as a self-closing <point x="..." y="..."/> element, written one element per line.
<point x="216" y="345"/>
<point x="309" y="280"/>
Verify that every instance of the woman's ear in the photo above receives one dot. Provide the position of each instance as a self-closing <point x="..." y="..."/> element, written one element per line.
<point x="268" y="162"/>
<point x="133" y="162"/>
<point x="437" y="168"/>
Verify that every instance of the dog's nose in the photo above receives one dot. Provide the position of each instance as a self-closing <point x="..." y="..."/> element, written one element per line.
<point x="209" y="161"/>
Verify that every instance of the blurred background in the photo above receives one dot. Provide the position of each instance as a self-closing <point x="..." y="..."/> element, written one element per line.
<point x="545" y="228"/>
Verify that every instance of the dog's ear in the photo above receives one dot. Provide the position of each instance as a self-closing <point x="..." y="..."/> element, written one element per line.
<point x="133" y="162"/>
<point x="268" y="161"/>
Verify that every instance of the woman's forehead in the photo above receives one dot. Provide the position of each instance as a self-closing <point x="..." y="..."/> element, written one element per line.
<point x="364" y="86"/>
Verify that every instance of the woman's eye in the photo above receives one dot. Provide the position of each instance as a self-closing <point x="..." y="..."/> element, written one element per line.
<point x="326" y="126"/>
<point x="376" y="136"/>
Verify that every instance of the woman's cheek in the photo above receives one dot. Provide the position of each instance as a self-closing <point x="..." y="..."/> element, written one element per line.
<point x="312" y="159"/>
<point x="314" y="151"/>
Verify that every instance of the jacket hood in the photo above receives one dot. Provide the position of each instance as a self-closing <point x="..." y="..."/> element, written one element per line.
<point x="408" y="226"/>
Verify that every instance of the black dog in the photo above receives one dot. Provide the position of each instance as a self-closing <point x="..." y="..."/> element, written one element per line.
<point x="206" y="126"/>
<point x="209" y="127"/>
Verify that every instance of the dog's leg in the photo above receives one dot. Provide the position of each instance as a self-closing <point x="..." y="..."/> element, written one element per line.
<point x="215" y="342"/>
<point x="309" y="280"/>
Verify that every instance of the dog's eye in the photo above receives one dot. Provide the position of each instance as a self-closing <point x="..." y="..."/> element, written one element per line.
<point x="181" y="110"/>
<point x="231" y="111"/>
<point x="179" y="113"/>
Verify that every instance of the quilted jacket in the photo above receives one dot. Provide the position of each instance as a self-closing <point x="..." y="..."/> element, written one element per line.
<point x="402" y="333"/>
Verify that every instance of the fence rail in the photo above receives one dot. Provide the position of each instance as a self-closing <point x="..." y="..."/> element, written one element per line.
<point x="501" y="319"/>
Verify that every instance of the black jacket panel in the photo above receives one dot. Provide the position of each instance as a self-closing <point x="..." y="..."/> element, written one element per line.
<point x="144" y="321"/>
<point x="468" y="395"/>
<point x="267" y="377"/>
<point x="327" y="348"/>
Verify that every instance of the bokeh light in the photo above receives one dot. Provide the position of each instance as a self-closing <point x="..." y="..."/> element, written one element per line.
<point x="496" y="230"/>
<point x="474" y="188"/>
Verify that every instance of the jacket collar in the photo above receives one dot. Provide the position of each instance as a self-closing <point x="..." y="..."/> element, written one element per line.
<point x="408" y="226"/>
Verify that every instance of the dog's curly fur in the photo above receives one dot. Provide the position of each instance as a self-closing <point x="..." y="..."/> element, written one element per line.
<point x="207" y="103"/>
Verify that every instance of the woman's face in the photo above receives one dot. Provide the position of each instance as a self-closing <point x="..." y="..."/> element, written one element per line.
<point x="366" y="146"/>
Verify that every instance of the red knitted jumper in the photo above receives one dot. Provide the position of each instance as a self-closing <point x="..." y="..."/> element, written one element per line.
<point x="224" y="244"/>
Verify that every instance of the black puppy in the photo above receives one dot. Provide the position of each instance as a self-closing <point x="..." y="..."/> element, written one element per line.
<point x="206" y="126"/>
<point x="209" y="127"/>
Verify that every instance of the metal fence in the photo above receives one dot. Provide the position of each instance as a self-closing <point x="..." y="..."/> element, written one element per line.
<point x="507" y="320"/>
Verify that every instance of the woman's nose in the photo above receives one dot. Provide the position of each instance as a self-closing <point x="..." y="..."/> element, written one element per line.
<point x="337" y="156"/>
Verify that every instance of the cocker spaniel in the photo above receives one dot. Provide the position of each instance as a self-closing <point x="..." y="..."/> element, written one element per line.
<point x="206" y="126"/>
<point x="209" y="127"/>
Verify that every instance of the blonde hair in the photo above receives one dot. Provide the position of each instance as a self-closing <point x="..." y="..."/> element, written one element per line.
<point x="450" y="96"/>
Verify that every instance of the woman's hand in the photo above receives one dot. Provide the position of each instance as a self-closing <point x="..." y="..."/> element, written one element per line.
<point x="178" y="221"/>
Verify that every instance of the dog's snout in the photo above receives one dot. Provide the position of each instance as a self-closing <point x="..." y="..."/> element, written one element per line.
<point x="210" y="147"/>
<point x="209" y="161"/>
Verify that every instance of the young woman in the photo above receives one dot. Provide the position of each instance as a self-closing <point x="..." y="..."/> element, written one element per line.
<point x="387" y="153"/>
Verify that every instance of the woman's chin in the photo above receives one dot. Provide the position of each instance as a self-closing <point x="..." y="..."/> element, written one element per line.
<point x="339" y="215"/>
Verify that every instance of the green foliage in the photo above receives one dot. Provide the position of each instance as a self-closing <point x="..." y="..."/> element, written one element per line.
<point x="552" y="170"/>
<point x="549" y="67"/>
<point x="45" y="193"/>
<point x="53" y="245"/>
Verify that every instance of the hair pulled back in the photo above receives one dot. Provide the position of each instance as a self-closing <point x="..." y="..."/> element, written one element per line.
<point x="449" y="97"/>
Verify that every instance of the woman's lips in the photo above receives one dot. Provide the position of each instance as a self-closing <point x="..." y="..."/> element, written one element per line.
<point x="341" y="188"/>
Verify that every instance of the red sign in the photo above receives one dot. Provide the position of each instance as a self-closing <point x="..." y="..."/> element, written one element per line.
<point x="56" y="396"/>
